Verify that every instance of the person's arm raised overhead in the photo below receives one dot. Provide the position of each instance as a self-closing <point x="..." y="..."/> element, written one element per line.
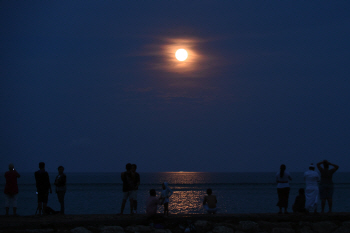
<point x="335" y="167"/>
<point x="319" y="165"/>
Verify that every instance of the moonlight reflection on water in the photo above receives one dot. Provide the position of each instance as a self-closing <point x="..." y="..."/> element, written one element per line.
<point x="186" y="199"/>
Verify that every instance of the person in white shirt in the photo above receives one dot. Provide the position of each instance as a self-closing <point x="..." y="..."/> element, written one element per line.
<point x="282" y="179"/>
<point x="311" y="192"/>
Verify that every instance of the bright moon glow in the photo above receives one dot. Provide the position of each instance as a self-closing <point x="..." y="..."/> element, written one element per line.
<point x="181" y="54"/>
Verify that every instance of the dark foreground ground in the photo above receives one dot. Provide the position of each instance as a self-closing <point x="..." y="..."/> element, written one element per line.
<point x="65" y="223"/>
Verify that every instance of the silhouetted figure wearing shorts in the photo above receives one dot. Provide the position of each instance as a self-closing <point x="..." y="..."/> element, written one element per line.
<point x="11" y="189"/>
<point x="128" y="179"/>
<point x="43" y="187"/>
<point x="326" y="184"/>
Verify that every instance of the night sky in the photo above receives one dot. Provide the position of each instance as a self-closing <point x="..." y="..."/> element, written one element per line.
<point x="93" y="85"/>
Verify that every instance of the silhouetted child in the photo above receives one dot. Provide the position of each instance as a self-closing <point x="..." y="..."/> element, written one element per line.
<point x="209" y="202"/>
<point x="166" y="193"/>
<point x="299" y="203"/>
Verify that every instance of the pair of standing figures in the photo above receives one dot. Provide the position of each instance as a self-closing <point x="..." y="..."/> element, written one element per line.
<point x="43" y="187"/>
<point x="131" y="182"/>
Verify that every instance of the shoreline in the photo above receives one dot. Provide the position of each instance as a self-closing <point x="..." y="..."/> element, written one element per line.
<point x="65" y="223"/>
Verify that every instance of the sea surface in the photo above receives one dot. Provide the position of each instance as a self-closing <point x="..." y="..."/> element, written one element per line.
<point x="101" y="193"/>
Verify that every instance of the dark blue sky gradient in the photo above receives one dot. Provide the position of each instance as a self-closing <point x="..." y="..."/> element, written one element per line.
<point x="92" y="85"/>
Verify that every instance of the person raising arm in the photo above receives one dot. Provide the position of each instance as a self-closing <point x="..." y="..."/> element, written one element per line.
<point x="326" y="184"/>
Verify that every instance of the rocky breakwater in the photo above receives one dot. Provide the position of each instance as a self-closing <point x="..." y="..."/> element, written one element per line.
<point x="221" y="223"/>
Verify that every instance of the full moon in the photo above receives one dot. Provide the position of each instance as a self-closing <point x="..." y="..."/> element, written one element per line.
<point x="181" y="54"/>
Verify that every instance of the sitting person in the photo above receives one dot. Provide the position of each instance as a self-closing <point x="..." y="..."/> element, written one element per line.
<point x="209" y="202"/>
<point x="299" y="203"/>
<point x="152" y="203"/>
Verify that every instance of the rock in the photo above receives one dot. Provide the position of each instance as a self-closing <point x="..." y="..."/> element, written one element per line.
<point x="111" y="229"/>
<point x="302" y="224"/>
<point x="162" y="231"/>
<point x="248" y="226"/>
<point x="201" y="223"/>
<point x="142" y="228"/>
<point x="131" y="229"/>
<point x="227" y="224"/>
<point x="342" y="229"/>
<point x="63" y="231"/>
<point x="268" y="226"/>
<point x="282" y="230"/>
<point x="306" y="229"/>
<point x="324" y="227"/>
<point x="223" y="224"/>
<point x="138" y="228"/>
<point x="222" y="229"/>
<point x="80" y="230"/>
<point x="41" y="230"/>
<point x="346" y="224"/>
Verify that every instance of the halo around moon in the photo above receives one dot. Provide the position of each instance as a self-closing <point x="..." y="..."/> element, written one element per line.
<point x="181" y="54"/>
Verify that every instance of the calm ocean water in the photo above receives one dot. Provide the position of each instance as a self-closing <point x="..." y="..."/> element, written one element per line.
<point x="101" y="193"/>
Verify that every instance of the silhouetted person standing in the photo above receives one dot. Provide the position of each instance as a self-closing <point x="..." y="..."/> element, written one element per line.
<point x="11" y="189"/>
<point x="311" y="192"/>
<point x="136" y="185"/>
<point x="43" y="186"/>
<point x="165" y="194"/>
<point x="128" y="188"/>
<point x="282" y="179"/>
<point x="326" y="184"/>
<point x="60" y="183"/>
